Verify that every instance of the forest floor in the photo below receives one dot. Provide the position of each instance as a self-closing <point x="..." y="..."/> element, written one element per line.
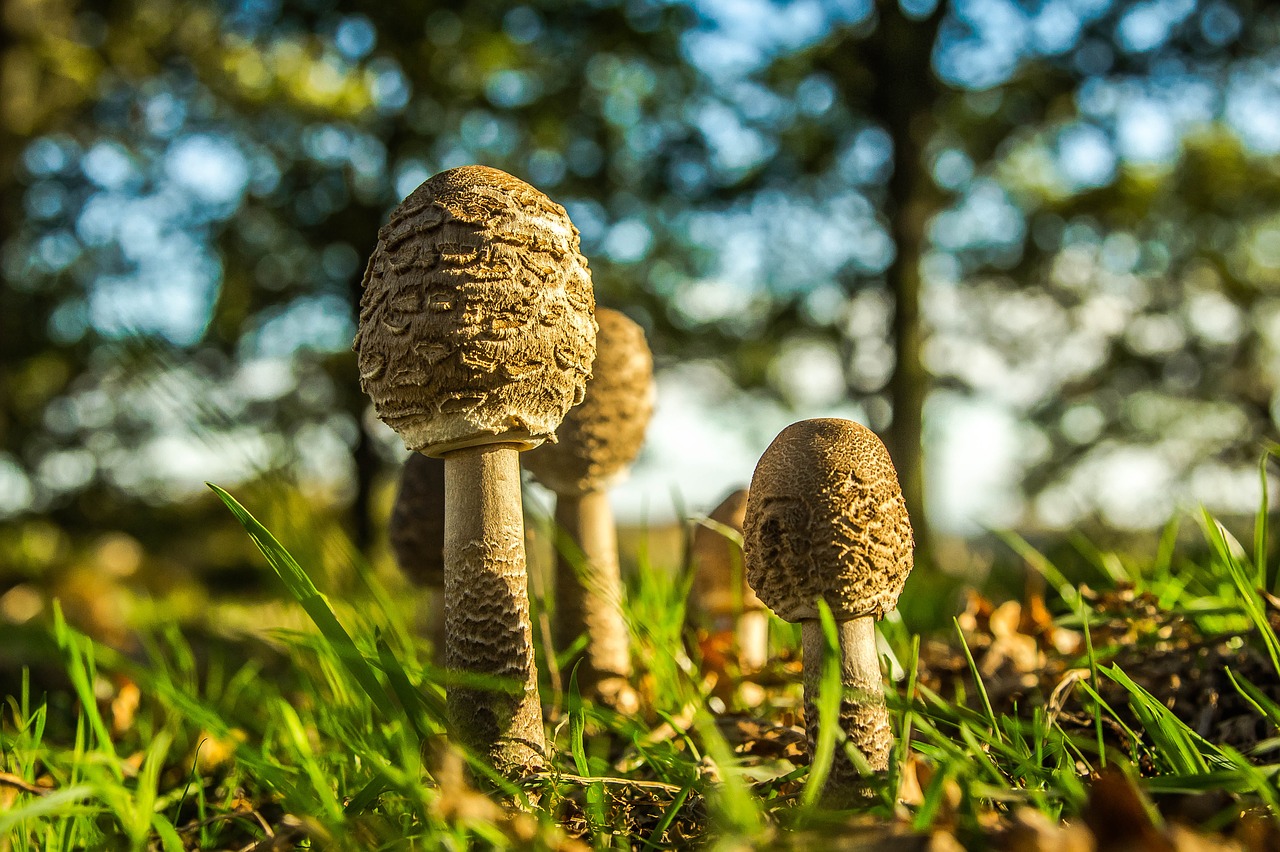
<point x="1139" y="712"/>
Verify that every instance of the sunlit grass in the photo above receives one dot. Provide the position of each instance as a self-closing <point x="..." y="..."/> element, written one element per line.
<point x="336" y="736"/>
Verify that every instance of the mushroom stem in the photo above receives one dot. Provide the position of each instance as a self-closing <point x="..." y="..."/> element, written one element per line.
<point x="487" y="626"/>
<point x="863" y="714"/>
<point x="589" y="595"/>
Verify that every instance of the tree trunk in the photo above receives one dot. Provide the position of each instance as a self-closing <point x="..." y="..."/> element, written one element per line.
<point x="904" y="101"/>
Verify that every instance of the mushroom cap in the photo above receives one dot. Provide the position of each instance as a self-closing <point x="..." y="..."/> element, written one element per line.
<point x="417" y="521"/>
<point x="718" y="560"/>
<point x="826" y="519"/>
<point x="476" y="320"/>
<point x="602" y="435"/>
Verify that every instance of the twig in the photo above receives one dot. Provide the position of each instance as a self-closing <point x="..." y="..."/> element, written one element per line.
<point x="585" y="781"/>
<point x="237" y="813"/>
<point x="25" y="786"/>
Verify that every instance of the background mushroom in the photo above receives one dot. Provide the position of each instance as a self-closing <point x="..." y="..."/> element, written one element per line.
<point x="826" y="520"/>
<point x="597" y="442"/>
<point x="720" y="598"/>
<point x="476" y="336"/>
<point x="417" y="534"/>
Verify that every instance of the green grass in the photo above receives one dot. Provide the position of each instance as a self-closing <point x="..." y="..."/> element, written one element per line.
<point x="335" y="736"/>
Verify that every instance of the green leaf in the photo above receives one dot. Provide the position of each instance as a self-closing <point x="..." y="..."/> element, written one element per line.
<point x="144" y="804"/>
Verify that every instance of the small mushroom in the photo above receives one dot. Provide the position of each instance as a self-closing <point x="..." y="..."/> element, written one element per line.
<point x="417" y="521"/>
<point x="476" y="336"/>
<point x="720" y="597"/>
<point x="826" y="520"/>
<point x="417" y="533"/>
<point x="597" y="442"/>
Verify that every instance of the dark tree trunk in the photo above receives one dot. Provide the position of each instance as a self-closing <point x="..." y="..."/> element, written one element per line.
<point x="905" y="95"/>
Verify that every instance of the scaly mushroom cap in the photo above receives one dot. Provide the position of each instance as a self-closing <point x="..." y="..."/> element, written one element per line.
<point x="715" y="562"/>
<point x="417" y="521"/>
<point x="601" y="436"/>
<point x="476" y="318"/>
<point x="826" y="519"/>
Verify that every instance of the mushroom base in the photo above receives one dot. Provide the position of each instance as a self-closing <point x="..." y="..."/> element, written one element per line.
<point x="863" y="716"/>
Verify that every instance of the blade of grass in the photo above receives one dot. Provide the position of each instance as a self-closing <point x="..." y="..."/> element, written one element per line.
<point x="1180" y="747"/>
<point x="170" y="840"/>
<point x="409" y="698"/>
<point x="368" y="794"/>
<point x="827" y="703"/>
<point x="932" y="800"/>
<point x="53" y="803"/>
<point x="1260" y="783"/>
<point x="78" y="651"/>
<point x="1101" y="702"/>
<point x="299" y="737"/>
<point x="1162" y="568"/>
<point x="577" y="725"/>
<point x="1260" y="531"/>
<point x="306" y="593"/>
<point x="1250" y="600"/>
<point x="1038" y="561"/>
<point x="908" y="706"/>
<point x="1219" y="780"/>
<point x="1093" y="678"/>
<point x="654" y="840"/>
<point x="736" y="806"/>
<point x="1108" y="564"/>
<point x="1261" y="702"/>
<point x="144" y="801"/>
<point x="977" y="679"/>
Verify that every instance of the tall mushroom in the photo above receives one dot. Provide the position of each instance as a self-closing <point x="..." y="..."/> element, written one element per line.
<point x="476" y="336"/>
<point x="826" y="520"/>
<point x="598" y="440"/>
<point x="720" y="597"/>
<point x="417" y="533"/>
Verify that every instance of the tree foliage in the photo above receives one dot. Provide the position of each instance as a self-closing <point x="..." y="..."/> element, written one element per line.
<point x="952" y="196"/>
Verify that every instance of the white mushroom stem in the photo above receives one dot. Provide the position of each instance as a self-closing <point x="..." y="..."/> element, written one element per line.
<point x="589" y="595"/>
<point x="487" y="626"/>
<point x="863" y="715"/>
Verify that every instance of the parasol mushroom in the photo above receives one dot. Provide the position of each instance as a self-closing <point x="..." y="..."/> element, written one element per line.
<point x="416" y="532"/>
<point x="476" y="336"/>
<point x="826" y="521"/>
<point x="598" y="440"/>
